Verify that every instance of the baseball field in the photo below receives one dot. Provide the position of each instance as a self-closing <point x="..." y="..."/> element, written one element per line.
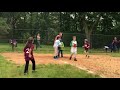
<point x="99" y="65"/>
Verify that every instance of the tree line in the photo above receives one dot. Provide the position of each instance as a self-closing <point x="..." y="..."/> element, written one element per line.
<point x="107" y="23"/>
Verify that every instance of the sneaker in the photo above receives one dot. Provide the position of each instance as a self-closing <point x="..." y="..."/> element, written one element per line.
<point x="70" y="58"/>
<point x="88" y="56"/>
<point x="56" y="57"/>
<point x="75" y="59"/>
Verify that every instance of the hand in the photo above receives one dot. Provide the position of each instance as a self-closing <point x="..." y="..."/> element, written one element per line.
<point x="30" y="55"/>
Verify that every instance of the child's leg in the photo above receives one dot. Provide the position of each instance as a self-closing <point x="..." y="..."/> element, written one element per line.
<point x="61" y="53"/>
<point x="85" y="53"/>
<point x="26" y="67"/>
<point x="71" y="56"/>
<point x="33" y="64"/>
<point x="71" y="53"/>
<point x="75" y="56"/>
<point x="56" y="52"/>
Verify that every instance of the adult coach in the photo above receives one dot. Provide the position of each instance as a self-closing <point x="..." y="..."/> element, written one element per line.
<point x="60" y="38"/>
<point x="59" y="35"/>
<point x="114" y="44"/>
<point x="38" y="41"/>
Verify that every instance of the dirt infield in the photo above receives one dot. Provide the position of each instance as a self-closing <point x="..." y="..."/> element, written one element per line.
<point x="103" y="65"/>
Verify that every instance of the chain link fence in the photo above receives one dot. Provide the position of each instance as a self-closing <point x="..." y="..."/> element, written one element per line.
<point x="47" y="37"/>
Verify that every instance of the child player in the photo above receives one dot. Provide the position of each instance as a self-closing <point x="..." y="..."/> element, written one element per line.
<point x="73" y="45"/>
<point x="28" y="54"/>
<point x="56" y="45"/>
<point x="86" y="47"/>
<point x="60" y="49"/>
<point x="13" y="43"/>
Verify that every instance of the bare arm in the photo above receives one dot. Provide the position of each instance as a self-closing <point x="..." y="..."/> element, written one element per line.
<point x="30" y="53"/>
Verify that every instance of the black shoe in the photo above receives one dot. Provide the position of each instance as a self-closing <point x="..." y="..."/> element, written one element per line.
<point x="55" y="57"/>
<point x="70" y="58"/>
<point x="88" y="56"/>
<point x="75" y="59"/>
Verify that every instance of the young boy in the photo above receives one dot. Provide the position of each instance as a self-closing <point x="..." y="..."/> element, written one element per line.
<point x="13" y="43"/>
<point x="28" y="54"/>
<point x="86" y="46"/>
<point x="56" y="45"/>
<point x="73" y="45"/>
<point x="60" y="49"/>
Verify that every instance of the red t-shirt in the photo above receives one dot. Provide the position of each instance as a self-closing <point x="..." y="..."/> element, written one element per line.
<point x="26" y="52"/>
<point x="86" y="46"/>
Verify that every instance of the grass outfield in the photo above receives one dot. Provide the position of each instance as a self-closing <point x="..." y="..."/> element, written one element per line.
<point x="47" y="49"/>
<point x="11" y="70"/>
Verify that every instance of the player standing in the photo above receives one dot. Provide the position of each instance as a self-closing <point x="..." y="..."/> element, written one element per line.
<point x="56" y="45"/>
<point x="73" y="45"/>
<point x="28" y="54"/>
<point x="86" y="46"/>
<point x="13" y="43"/>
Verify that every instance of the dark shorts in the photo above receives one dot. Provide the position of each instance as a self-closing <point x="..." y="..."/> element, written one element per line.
<point x="59" y="48"/>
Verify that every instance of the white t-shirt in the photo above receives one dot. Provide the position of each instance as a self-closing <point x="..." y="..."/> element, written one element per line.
<point x="38" y="37"/>
<point x="56" y="43"/>
<point x="73" y="42"/>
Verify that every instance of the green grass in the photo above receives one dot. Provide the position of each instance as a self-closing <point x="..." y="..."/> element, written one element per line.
<point x="46" y="49"/>
<point x="11" y="70"/>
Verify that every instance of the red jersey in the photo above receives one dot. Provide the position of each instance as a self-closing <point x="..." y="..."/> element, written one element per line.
<point x="26" y="52"/>
<point x="86" y="46"/>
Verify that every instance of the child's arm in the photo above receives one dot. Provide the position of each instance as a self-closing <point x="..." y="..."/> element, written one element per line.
<point x="30" y="53"/>
<point x="71" y="43"/>
<point x="62" y="44"/>
<point x="88" y="45"/>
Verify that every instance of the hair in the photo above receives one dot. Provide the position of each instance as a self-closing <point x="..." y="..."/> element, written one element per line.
<point x="86" y="40"/>
<point x="60" y="32"/>
<point x="58" y="37"/>
<point x="29" y="42"/>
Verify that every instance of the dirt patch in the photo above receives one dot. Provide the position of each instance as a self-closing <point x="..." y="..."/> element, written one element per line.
<point x="103" y="65"/>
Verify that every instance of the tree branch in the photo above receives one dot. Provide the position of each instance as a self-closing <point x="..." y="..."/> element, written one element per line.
<point x="96" y="23"/>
